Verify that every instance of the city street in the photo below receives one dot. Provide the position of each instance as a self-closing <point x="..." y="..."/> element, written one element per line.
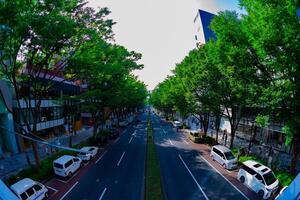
<point x="117" y="174"/>
<point x="185" y="173"/>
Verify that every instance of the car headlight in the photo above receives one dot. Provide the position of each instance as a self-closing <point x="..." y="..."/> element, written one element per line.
<point x="269" y="190"/>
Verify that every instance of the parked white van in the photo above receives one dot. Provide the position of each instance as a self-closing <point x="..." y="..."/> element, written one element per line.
<point x="224" y="156"/>
<point x="66" y="165"/>
<point x="258" y="178"/>
<point x="27" y="189"/>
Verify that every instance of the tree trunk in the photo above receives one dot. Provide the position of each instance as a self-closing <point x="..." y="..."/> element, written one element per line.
<point x="217" y="127"/>
<point x="295" y="153"/>
<point x="36" y="154"/>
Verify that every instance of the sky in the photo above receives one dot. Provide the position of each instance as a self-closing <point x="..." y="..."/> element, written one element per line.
<point x="161" y="30"/>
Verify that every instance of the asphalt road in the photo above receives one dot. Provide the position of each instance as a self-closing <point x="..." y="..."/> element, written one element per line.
<point x="185" y="174"/>
<point x="119" y="174"/>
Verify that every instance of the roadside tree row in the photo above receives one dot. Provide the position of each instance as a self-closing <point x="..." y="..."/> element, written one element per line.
<point x="43" y="40"/>
<point x="254" y="62"/>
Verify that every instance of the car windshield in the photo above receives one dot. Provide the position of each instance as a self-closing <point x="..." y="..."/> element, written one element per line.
<point x="82" y="153"/>
<point x="229" y="155"/>
<point x="58" y="165"/>
<point x="269" y="178"/>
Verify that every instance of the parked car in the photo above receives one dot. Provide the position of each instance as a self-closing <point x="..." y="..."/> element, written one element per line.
<point x="195" y="136"/>
<point x="88" y="153"/>
<point x="223" y="156"/>
<point x="177" y="124"/>
<point x="28" y="189"/>
<point x="258" y="178"/>
<point x="123" y="123"/>
<point x="66" y="165"/>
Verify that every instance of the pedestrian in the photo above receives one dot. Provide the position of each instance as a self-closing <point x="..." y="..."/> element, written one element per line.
<point x="225" y="136"/>
<point x="47" y="151"/>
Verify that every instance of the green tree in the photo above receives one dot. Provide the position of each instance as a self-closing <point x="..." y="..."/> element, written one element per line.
<point x="38" y="38"/>
<point x="273" y="30"/>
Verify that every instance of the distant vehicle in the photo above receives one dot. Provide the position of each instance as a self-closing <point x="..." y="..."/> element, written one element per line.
<point x="258" y="178"/>
<point x="27" y="189"/>
<point x="177" y="124"/>
<point x="223" y="156"/>
<point x="88" y="154"/>
<point x="292" y="191"/>
<point x="123" y="123"/>
<point x="66" y="165"/>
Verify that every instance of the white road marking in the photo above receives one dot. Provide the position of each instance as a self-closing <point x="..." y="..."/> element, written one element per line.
<point x="193" y="177"/>
<point x="102" y="194"/>
<point x="74" y="175"/>
<point x="117" y="140"/>
<point x="51" y="188"/>
<point x="69" y="191"/>
<point x="185" y="141"/>
<point x="164" y="131"/>
<point x="130" y="140"/>
<point x="101" y="157"/>
<point x="121" y="158"/>
<point x="171" y="142"/>
<point x="224" y="177"/>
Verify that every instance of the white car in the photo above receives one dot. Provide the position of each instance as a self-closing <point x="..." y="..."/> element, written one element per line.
<point x="223" y="156"/>
<point x="123" y="123"/>
<point x="66" y="165"/>
<point x="177" y="124"/>
<point x="28" y="189"/>
<point x="258" y="178"/>
<point x="88" y="153"/>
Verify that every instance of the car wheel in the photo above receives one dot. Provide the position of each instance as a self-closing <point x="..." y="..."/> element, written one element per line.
<point x="224" y="166"/>
<point x="81" y="164"/>
<point x="46" y="195"/>
<point x="261" y="193"/>
<point x="70" y="175"/>
<point x="212" y="157"/>
<point x="242" y="179"/>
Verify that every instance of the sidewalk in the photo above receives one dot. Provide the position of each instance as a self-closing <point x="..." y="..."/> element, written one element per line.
<point x="279" y="158"/>
<point x="11" y="165"/>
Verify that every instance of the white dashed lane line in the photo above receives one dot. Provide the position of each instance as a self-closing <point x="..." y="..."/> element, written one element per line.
<point x="200" y="188"/>
<point x="69" y="191"/>
<point x="121" y="158"/>
<point x="102" y="194"/>
<point x="101" y="157"/>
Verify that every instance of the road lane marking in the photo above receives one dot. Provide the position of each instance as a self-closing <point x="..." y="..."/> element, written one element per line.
<point x="102" y="195"/>
<point x="171" y="142"/>
<point x="68" y="191"/>
<point x="224" y="177"/>
<point x="121" y="158"/>
<point x="186" y="142"/>
<point x="51" y="188"/>
<point x="101" y="157"/>
<point x="130" y="140"/>
<point x="193" y="177"/>
<point x="164" y="131"/>
<point x="74" y="175"/>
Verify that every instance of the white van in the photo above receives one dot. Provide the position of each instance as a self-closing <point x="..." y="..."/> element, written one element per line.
<point x="66" y="165"/>
<point x="224" y="156"/>
<point x="27" y="189"/>
<point x="258" y="178"/>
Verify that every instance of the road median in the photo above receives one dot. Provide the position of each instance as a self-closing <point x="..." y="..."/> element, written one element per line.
<point x="153" y="177"/>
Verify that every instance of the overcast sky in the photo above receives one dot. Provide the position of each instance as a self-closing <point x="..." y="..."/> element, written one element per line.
<point x="162" y="30"/>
